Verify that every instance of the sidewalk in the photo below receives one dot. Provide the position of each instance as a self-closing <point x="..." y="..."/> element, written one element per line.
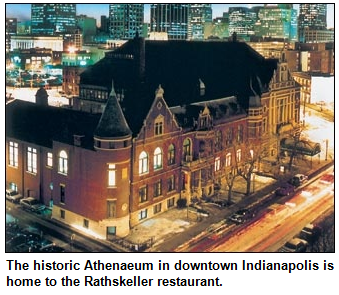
<point x="171" y="229"/>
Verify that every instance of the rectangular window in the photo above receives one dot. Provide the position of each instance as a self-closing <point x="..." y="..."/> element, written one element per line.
<point x="171" y="183"/>
<point x="217" y="164"/>
<point x="157" y="188"/>
<point x="170" y="202"/>
<point x="111" y="209"/>
<point x="228" y="162"/>
<point x="86" y="223"/>
<point x="62" y="193"/>
<point x="142" y="214"/>
<point x="239" y="155"/>
<point x="143" y="194"/>
<point x="31" y="160"/>
<point x="157" y="208"/>
<point x="13" y="153"/>
<point x="158" y="128"/>
<point x="62" y="214"/>
<point x="111" y="175"/>
<point x="49" y="160"/>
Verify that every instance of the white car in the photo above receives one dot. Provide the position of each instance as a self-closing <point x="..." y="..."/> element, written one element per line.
<point x="32" y="204"/>
<point x="294" y="245"/>
<point x="13" y="196"/>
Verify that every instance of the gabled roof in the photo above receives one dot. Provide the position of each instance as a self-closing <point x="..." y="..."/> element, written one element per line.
<point x="112" y="123"/>
<point x="39" y="124"/>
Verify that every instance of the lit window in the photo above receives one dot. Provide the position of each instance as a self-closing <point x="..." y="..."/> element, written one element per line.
<point x="13" y="153"/>
<point x="239" y="155"/>
<point x="217" y="164"/>
<point x="63" y="163"/>
<point x="111" y="175"/>
<point x="228" y="162"/>
<point x="157" y="158"/>
<point x="49" y="159"/>
<point x="170" y="202"/>
<point x="143" y="163"/>
<point x="186" y="148"/>
<point x="31" y="160"/>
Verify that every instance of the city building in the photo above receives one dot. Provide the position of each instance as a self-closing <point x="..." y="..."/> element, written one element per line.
<point x="125" y="20"/>
<point x="277" y="22"/>
<point x="73" y="64"/>
<point x="30" y="41"/>
<point x="242" y="21"/>
<point x="171" y="19"/>
<point x="11" y="30"/>
<point x="24" y="27"/>
<point x="198" y="15"/>
<point x="148" y="132"/>
<point x="312" y="17"/>
<point x="53" y="19"/>
<point x="218" y="28"/>
<point x="88" y="28"/>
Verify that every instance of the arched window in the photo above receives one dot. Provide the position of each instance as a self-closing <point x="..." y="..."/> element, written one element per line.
<point x="63" y="162"/>
<point x="143" y="162"/>
<point x="157" y="159"/>
<point x="171" y="155"/>
<point x="186" y="148"/>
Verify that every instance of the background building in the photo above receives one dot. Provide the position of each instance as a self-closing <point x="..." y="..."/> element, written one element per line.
<point x="277" y="22"/>
<point x="125" y="20"/>
<point x="11" y="30"/>
<point x="199" y="14"/>
<point x="52" y="19"/>
<point x="171" y="19"/>
<point x="312" y="17"/>
<point x="241" y="22"/>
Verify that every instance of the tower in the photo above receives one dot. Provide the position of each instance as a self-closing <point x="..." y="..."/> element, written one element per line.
<point x="125" y="20"/>
<point x="52" y="19"/>
<point x="112" y="142"/>
<point x="171" y="19"/>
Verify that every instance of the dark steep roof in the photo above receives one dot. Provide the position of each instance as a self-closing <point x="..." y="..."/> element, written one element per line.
<point x="112" y="123"/>
<point x="39" y="124"/>
<point x="225" y="68"/>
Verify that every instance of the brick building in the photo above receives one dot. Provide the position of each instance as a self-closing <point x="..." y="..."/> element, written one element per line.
<point x="128" y="153"/>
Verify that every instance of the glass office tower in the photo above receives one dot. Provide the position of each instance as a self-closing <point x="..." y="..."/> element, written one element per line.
<point x="52" y="19"/>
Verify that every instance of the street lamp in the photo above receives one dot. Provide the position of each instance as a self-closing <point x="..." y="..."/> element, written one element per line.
<point x="326" y="149"/>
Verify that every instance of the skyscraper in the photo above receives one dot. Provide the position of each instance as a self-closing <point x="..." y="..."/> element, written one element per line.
<point x="11" y="29"/>
<point x="241" y="21"/>
<point x="199" y="14"/>
<point x="125" y="20"/>
<point x="51" y="19"/>
<point x="277" y="21"/>
<point x="171" y="19"/>
<point x="311" y="17"/>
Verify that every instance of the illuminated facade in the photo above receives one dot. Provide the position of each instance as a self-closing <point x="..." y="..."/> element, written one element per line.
<point x="146" y="145"/>
<point x="125" y="20"/>
<point x="11" y="29"/>
<point x="171" y="19"/>
<point x="278" y="22"/>
<point x="311" y="17"/>
<point x="241" y="21"/>
<point x="199" y="14"/>
<point x="53" y="19"/>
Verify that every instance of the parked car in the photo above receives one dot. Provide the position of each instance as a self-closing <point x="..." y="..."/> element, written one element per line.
<point x="295" y="245"/>
<point x="241" y="216"/>
<point x="298" y="179"/>
<point x="284" y="190"/>
<point x="13" y="196"/>
<point x="310" y="233"/>
<point x="32" y="204"/>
